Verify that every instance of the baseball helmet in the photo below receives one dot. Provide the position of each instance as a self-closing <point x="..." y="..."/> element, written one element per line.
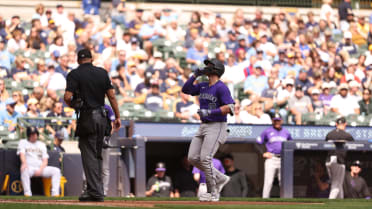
<point x="31" y="130"/>
<point x="217" y="69"/>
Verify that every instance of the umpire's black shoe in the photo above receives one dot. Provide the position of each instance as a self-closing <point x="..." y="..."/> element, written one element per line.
<point x="87" y="198"/>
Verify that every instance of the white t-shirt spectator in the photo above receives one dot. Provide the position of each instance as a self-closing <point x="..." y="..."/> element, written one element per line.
<point x="252" y="119"/>
<point x="56" y="81"/>
<point x="34" y="152"/>
<point x="13" y="45"/>
<point x="345" y="105"/>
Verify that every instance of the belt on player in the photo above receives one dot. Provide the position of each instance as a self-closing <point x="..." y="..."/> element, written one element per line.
<point x="275" y="155"/>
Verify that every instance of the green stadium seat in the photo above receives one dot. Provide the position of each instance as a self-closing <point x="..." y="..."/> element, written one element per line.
<point x="11" y="145"/>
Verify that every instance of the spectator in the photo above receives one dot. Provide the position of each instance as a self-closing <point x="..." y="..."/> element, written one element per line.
<point x="4" y="95"/>
<point x="316" y="103"/>
<point x="257" y="116"/>
<point x="344" y="9"/>
<point x="186" y="110"/>
<point x="34" y="112"/>
<point x="196" y="54"/>
<point x="159" y="185"/>
<point x="9" y="116"/>
<point x="268" y="94"/>
<point x="34" y="41"/>
<point x="291" y="69"/>
<point x="20" y="106"/>
<point x="365" y="103"/>
<point x="184" y="184"/>
<point x="118" y="13"/>
<point x="284" y="94"/>
<point x="58" y="45"/>
<point x="172" y="85"/>
<point x="354" y="185"/>
<point x="60" y="16"/>
<point x="34" y="162"/>
<point x="56" y="124"/>
<point x="304" y="81"/>
<point x="326" y="97"/>
<point x="236" y="117"/>
<point x="16" y="42"/>
<point x="327" y="14"/>
<point x="136" y="24"/>
<point x="348" y="45"/>
<point x="20" y="73"/>
<point x="237" y="186"/>
<point x="245" y="110"/>
<point x="154" y="100"/>
<point x="354" y="90"/>
<point x="151" y="31"/>
<point x="63" y="67"/>
<point x="311" y="23"/>
<point x="342" y="104"/>
<point x="256" y="83"/>
<point x="39" y="9"/>
<point x="6" y="59"/>
<point x="299" y="104"/>
<point x="120" y="60"/>
<point x="52" y="80"/>
<point x="120" y="80"/>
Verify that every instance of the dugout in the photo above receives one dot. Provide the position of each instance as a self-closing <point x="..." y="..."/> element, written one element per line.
<point x="168" y="142"/>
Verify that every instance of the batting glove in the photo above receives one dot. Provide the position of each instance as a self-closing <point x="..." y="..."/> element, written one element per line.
<point x="198" y="72"/>
<point x="204" y="112"/>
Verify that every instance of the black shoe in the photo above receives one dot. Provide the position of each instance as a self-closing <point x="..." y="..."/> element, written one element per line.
<point x="87" y="198"/>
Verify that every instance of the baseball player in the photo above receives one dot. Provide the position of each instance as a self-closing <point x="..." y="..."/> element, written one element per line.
<point x="199" y="176"/>
<point x="215" y="103"/>
<point x="336" y="159"/>
<point x="34" y="161"/>
<point x="273" y="137"/>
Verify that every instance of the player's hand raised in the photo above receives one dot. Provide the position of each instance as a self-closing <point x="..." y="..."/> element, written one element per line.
<point x="198" y="72"/>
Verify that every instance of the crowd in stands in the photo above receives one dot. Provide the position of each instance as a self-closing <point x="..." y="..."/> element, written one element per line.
<point x="287" y="63"/>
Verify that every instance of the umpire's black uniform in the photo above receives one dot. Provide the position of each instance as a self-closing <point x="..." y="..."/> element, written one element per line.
<point x="92" y="83"/>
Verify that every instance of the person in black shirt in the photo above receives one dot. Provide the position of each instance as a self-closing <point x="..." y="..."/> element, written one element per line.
<point x="57" y="143"/>
<point x="354" y="185"/>
<point x="159" y="185"/>
<point x="344" y="10"/>
<point x="184" y="184"/>
<point x="336" y="159"/>
<point x="89" y="85"/>
<point x="365" y="103"/>
<point x="237" y="186"/>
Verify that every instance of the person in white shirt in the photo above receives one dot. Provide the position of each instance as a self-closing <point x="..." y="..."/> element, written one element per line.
<point x="34" y="162"/>
<point x="343" y="103"/>
<point x="52" y="80"/>
<point x="60" y="17"/>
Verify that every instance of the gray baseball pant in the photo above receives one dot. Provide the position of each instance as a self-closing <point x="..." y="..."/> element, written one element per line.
<point x="272" y="167"/>
<point x="202" y="149"/>
<point x="336" y="173"/>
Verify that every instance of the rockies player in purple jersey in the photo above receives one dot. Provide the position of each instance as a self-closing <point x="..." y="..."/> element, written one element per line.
<point x="215" y="103"/>
<point x="199" y="175"/>
<point x="273" y="137"/>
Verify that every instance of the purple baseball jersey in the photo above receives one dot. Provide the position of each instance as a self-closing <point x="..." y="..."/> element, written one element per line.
<point x="210" y="97"/>
<point x="216" y="163"/>
<point x="273" y="139"/>
<point x="111" y="114"/>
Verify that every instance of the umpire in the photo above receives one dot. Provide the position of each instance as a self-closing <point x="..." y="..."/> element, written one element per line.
<point x="336" y="159"/>
<point x="86" y="88"/>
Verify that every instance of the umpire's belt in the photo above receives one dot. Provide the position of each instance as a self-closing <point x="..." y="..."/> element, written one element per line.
<point x="93" y="110"/>
<point x="206" y="121"/>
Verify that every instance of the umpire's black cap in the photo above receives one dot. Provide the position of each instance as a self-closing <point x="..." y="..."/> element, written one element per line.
<point x="160" y="166"/>
<point x="84" y="53"/>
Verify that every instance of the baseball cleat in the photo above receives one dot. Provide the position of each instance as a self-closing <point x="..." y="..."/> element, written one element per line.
<point x="209" y="197"/>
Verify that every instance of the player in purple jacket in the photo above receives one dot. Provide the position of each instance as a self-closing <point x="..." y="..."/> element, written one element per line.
<point x="199" y="175"/>
<point x="273" y="137"/>
<point x="215" y="103"/>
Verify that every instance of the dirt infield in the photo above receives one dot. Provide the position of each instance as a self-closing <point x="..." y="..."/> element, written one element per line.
<point x="149" y="204"/>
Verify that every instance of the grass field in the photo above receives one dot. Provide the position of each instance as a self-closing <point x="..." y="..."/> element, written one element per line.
<point x="182" y="203"/>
